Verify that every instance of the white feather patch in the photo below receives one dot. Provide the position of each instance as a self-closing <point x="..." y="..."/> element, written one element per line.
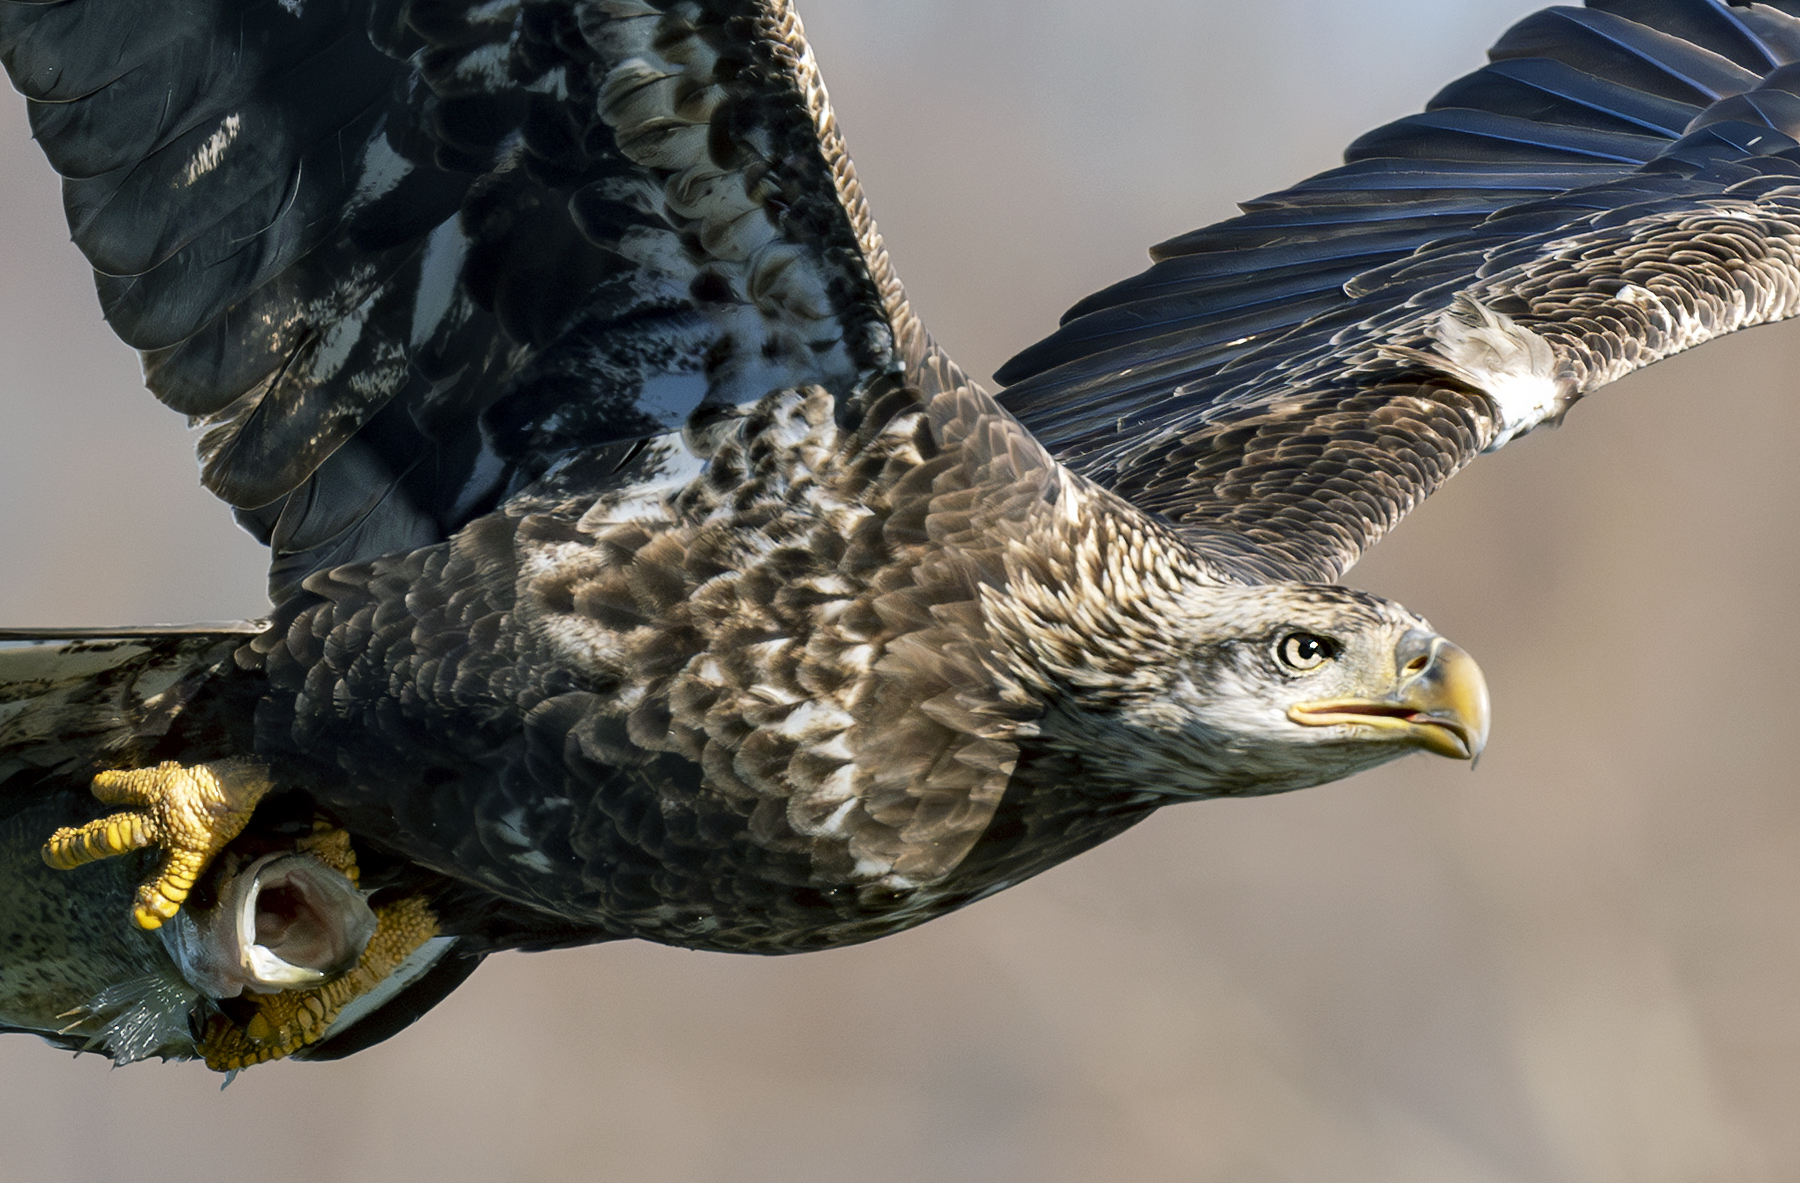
<point x="1491" y="352"/>
<point x="382" y="171"/>
<point x="439" y="272"/>
<point x="213" y="151"/>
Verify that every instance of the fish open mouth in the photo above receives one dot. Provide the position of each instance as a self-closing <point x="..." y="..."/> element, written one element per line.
<point x="292" y="951"/>
<point x="285" y="921"/>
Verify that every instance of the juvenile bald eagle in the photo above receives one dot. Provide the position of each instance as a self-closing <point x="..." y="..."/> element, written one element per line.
<point x="640" y="566"/>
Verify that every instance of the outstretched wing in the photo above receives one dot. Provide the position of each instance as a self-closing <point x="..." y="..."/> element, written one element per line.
<point x="399" y="257"/>
<point x="1621" y="183"/>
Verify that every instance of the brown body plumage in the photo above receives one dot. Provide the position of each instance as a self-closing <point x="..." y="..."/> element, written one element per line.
<point x="794" y="693"/>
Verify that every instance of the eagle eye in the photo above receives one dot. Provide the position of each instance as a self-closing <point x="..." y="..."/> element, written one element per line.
<point x="1304" y="652"/>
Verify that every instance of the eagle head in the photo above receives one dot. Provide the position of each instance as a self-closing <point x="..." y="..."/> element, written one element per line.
<point x="1160" y="678"/>
<point x="1285" y="686"/>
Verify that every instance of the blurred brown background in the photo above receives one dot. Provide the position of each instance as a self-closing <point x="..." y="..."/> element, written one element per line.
<point x="1577" y="965"/>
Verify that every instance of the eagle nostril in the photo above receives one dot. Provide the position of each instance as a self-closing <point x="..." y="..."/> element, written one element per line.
<point x="1415" y="652"/>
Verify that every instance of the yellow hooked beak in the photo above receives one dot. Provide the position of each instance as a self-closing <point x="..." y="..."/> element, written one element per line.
<point x="1439" y="701"/>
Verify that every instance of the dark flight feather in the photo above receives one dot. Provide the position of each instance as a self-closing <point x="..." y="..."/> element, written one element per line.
<point x="1536" y="182"/>
<point x="421" y="266"/>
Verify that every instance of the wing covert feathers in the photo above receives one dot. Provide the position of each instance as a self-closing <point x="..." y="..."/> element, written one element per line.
<point x="1620" y="183"/>
<point x="401" y="257"/>
<point x="773" y="722"/>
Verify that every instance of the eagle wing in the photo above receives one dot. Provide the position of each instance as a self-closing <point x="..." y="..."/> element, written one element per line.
<point x="400" y="257"/>
<point x="1620" y="183"/>
<point x="420" y="267"/>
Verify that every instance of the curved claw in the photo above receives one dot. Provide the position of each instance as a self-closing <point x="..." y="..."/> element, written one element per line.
<point x="190" y="812"/>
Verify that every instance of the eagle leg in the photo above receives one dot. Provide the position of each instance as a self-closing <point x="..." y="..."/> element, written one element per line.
<point x="284" y="1023"/>
<point x="190" y="812"/>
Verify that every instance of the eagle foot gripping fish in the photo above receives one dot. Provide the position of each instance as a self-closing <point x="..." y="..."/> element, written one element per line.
<point x="187" y="813"/>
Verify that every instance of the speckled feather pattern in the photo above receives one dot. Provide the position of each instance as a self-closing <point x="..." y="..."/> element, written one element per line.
<point x="776" y="719"/>
<point x="76" y="708"/>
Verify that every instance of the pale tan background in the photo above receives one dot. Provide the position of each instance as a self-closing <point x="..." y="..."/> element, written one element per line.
<point x="1578" y="965"/>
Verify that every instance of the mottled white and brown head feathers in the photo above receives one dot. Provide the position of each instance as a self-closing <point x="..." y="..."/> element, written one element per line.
<point x="1164" y="680"/>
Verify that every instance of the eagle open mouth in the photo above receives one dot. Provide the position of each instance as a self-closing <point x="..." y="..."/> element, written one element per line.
<point x="1433" y="732"/>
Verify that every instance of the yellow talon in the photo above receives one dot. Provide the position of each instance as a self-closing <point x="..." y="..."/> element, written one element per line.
<point x="191" y="812"/>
